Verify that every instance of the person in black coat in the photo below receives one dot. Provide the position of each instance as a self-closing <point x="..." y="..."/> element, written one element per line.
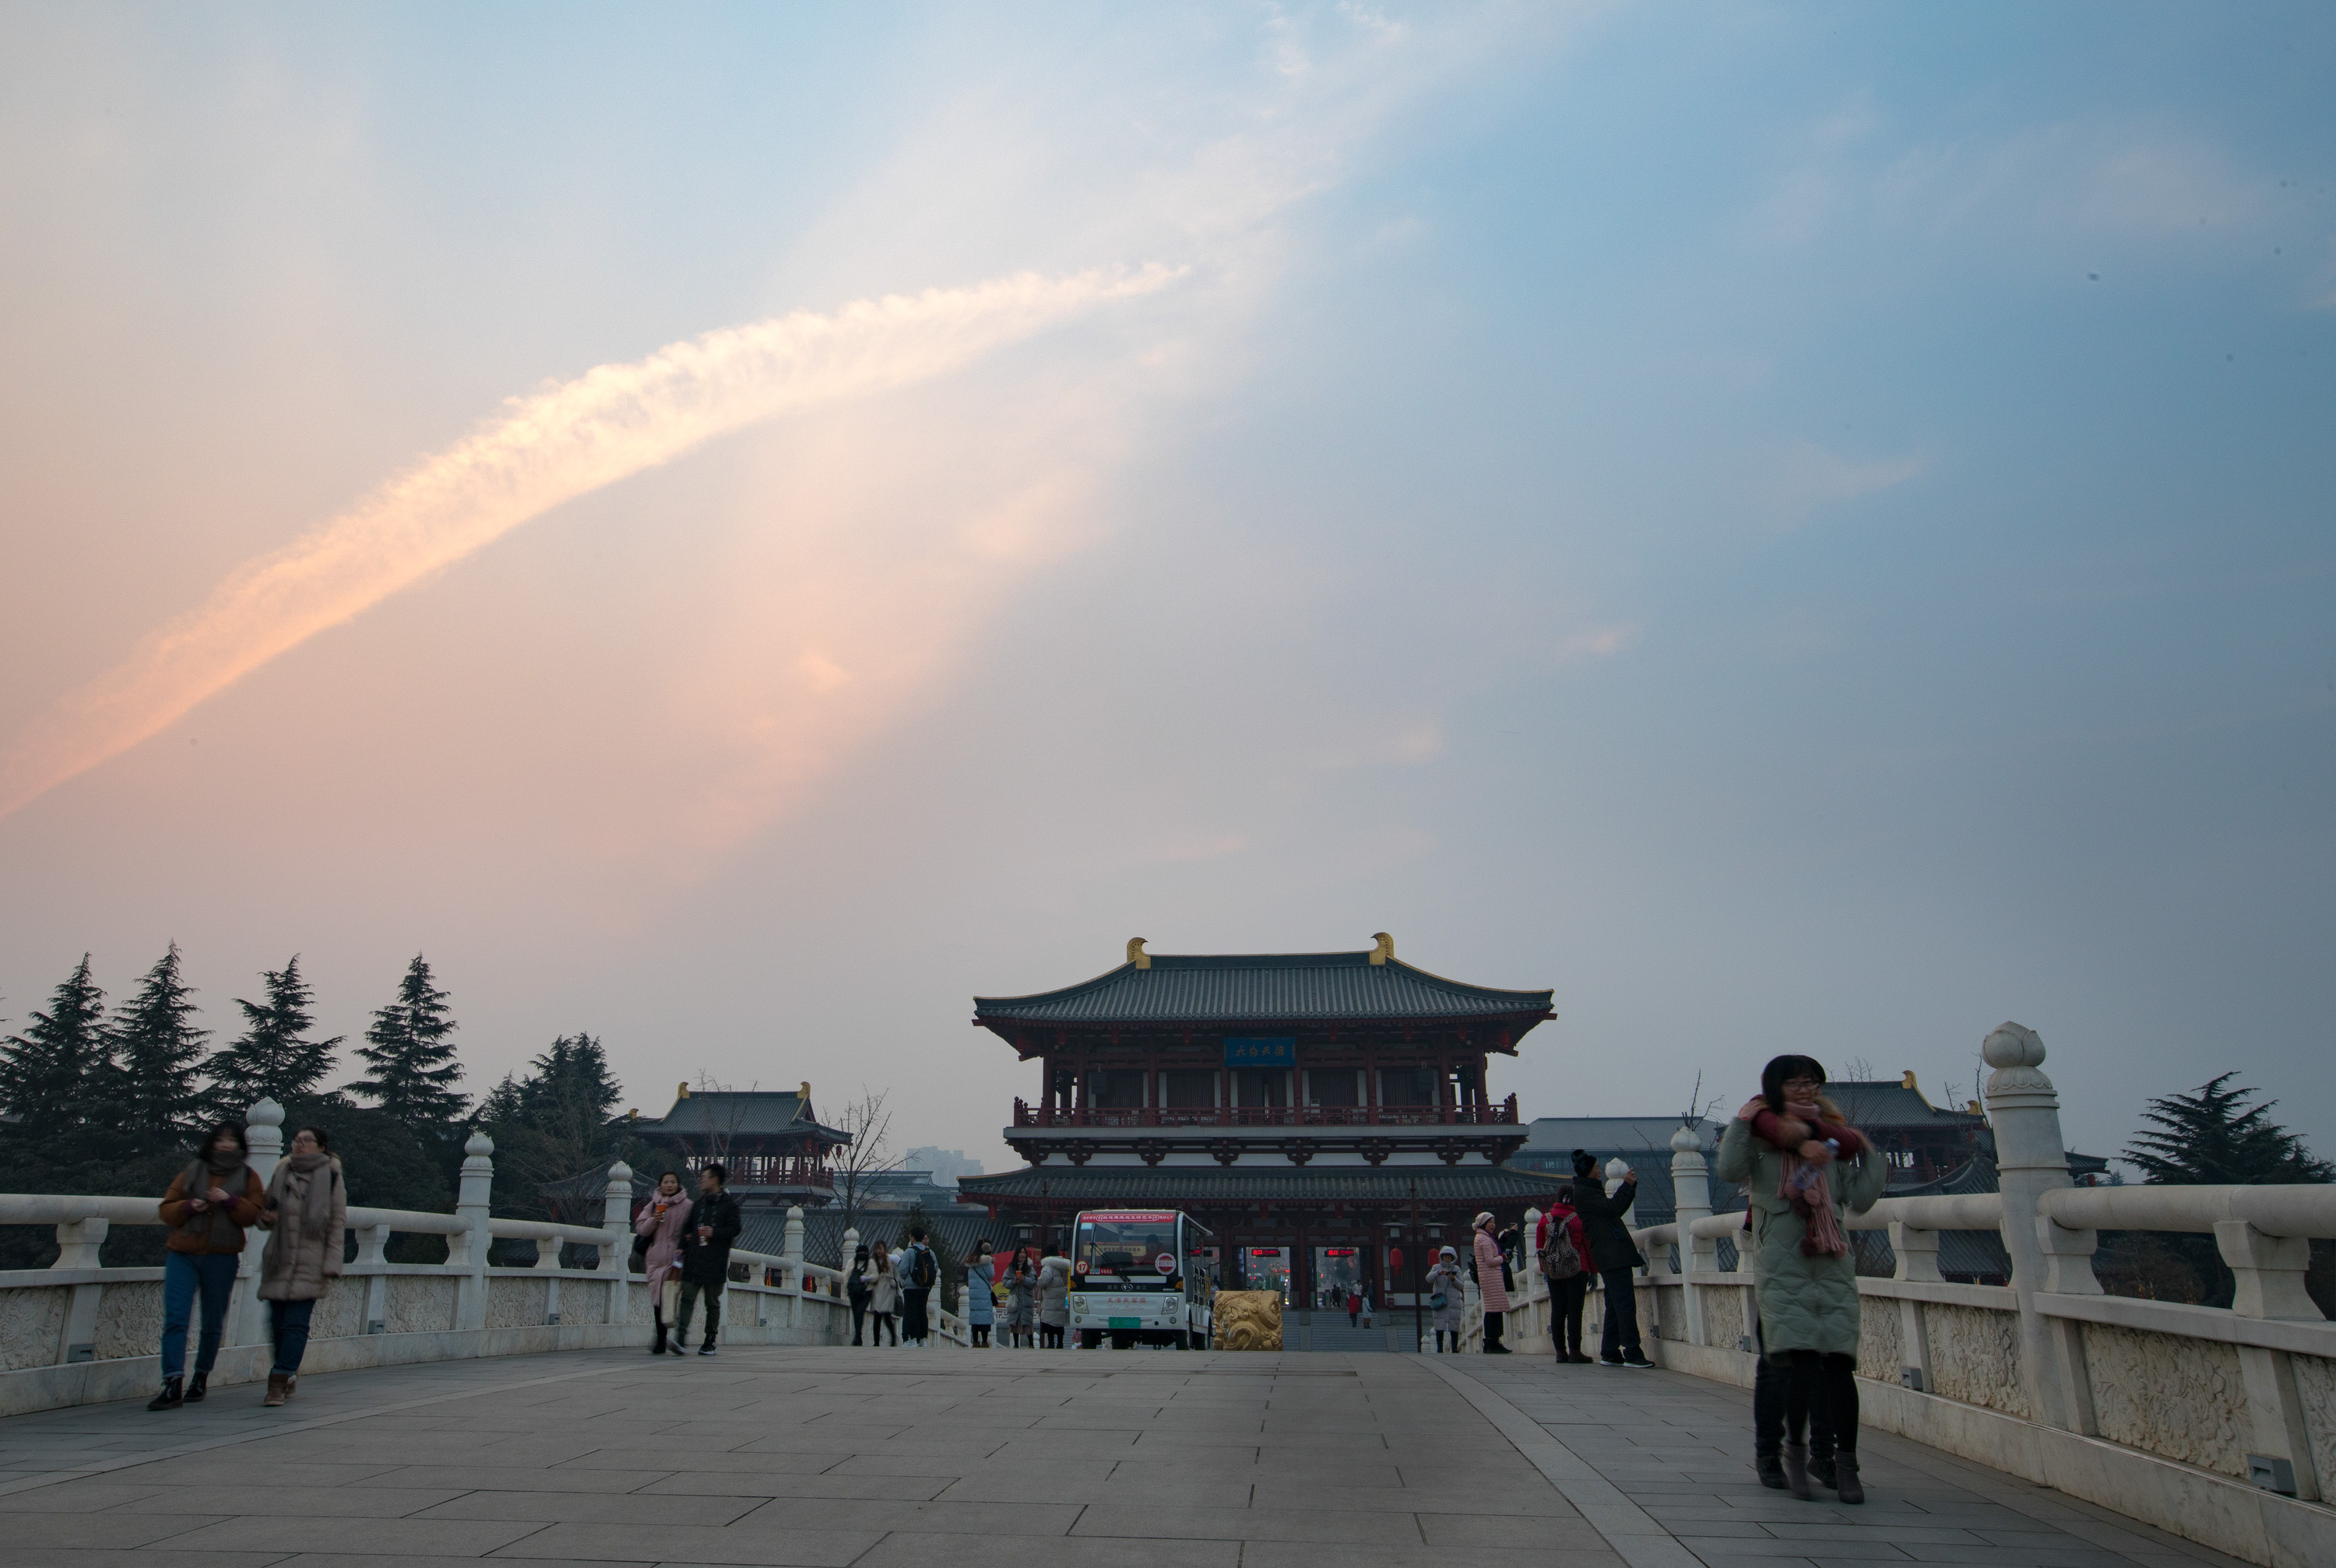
<point x="1614" y="1255"/>
<point x="706" y="1255"/>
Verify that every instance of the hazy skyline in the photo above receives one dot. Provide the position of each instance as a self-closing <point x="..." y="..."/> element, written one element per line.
<point x="736" y="531"/>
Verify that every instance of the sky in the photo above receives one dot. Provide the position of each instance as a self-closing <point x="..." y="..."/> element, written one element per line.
<point x="738" y="528"/>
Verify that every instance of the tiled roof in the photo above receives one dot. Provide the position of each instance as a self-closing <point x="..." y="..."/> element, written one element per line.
<point x="735" y="1113"/>
<point x="1884" y="1104"/>
<point x="1194" y="1184"/>
<point x="1257" y="988"/>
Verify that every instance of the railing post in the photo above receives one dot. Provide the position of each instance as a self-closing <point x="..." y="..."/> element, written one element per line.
<point x="2267" y="1272"/>
<point x="1691" y="1182"/>
<point x="2031" y="1160"/>
<point x="851" y="1251"/>
<point x="77" y="1243"/>
<point x="1528" y="1275"/>
<point x="263" y="1132"/>
<point x="617" y="1252"/>
<point x="1917" y="1252"/>
<point x="372" y="1247"/>
<point x="471" y="1205"/>
<point x="792" y="1250"/>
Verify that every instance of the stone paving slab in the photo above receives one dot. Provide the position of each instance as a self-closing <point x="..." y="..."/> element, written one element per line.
<point x="784" y="1458"/>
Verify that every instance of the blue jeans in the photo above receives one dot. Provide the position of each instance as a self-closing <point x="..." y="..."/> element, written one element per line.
<point x="184" y="1274"/>
<point x="287" y="1321"/>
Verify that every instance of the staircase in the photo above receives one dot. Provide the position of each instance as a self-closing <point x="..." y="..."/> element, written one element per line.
<point x="1312" y="1330"/>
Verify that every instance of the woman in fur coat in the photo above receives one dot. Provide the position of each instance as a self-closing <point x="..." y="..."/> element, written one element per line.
<point x="306" y="1217"/>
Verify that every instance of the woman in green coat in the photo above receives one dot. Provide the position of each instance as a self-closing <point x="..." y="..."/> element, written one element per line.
<point x="1807" y="1290"/>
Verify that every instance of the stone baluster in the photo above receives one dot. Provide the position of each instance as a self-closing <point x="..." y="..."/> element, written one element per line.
<point x="616" y="1251"/>
<point x="264" y="1130"/>
<point x="1917" y="1252"/>
<point x="468" y="1249"/>
<point x="792" y="1249"/>
<point x="2268" y="1273"/>
<point x="2024" y="1110"/>
<point x="1528" y="1279"/>
<point x="372" y="1247"/>
<point x="840" y="1316"/>
<point x="77" y="1246"/>
<point x="77" y="1242"/>
<point x="1691" y="1182"/>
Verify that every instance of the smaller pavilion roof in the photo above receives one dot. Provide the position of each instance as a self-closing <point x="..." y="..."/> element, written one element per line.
<point x="738" y="1113"/>
<point x="1261" y="988"/>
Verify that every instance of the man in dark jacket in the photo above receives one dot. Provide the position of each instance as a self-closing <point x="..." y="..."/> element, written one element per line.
<point x="922" y="1273"/>
<point x="706" y="1255"/>
<point x="1614" y="1256"/>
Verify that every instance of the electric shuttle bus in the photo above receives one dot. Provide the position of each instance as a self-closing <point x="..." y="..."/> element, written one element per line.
<point x="1141" y="1277"/>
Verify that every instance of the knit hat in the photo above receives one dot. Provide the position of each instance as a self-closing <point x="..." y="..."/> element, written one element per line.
<point x="1583" y="1163"/>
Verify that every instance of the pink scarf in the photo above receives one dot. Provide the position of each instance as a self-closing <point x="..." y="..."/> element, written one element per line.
<point x="1804" y="1187"/>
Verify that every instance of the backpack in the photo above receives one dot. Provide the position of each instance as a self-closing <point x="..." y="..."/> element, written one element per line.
<point x="1559" y="1261"/>
<point x="922" y="1270"/>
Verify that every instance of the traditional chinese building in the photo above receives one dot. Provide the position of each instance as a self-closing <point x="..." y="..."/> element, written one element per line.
<point x="1325" y="1114"/>
<point x="770" y="1141"/>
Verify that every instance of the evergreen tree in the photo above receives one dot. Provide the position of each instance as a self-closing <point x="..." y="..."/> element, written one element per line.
<point x="552" y="1125"/>
<point x="159" y="1049"/>
<point x="2211" y="1137"/>
<point x="57" y="1072"/>
<point x="273" y="1058"/>
<point x="412" y="1066"/>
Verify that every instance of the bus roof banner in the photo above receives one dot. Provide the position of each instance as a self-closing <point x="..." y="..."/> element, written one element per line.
<point x="1129" y="1216"/>
<point x="1260" y="1050"/>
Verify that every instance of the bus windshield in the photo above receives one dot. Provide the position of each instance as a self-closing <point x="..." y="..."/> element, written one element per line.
<point x="1126" y="1248"/>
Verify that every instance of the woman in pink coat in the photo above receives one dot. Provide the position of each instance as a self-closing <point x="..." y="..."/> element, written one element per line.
<point x="1490" y="1286"/>
<point x="660" y="1220"/>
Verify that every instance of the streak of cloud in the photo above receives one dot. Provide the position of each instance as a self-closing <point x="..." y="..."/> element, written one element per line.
<point x="549" y="447"/>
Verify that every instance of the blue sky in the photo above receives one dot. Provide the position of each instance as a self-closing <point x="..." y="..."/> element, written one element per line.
<point x="1801" y="526"/>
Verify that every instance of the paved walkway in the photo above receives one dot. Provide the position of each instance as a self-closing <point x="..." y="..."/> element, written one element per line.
<point x="951" y="1460"/>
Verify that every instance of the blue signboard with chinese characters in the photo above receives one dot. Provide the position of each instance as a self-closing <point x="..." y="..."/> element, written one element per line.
<point x="1261" y="1051"/>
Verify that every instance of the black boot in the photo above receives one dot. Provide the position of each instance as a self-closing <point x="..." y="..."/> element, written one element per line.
<point x="1796" y="1458"/>
<point x="657" y="1347"/>
<point x="171" y="1397"/>
<point x="1820" y="1463"/>
<point x="199" y="1387"/>
<point x="1771" y="1469"/>
<point x="1845" y="1484"/>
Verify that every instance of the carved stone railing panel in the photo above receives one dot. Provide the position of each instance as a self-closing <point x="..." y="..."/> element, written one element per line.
<point x="2315" y="1382"/>
<point x="1881" y="1339"/>
<point x="129" y="1320"/>
<point x="1975" y="1358"/>
<point x="32" y="1322"/>
<point x="2183" y="1397"/>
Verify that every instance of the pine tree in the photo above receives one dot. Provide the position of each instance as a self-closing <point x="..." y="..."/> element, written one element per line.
<point x="2211" y="1137"/>
<point x="412" y="1066"/>
<point x="159" y="1048"/>
<point x="553" y="1124"/>
<point x="273" y="1059"/>
<point x="53" y="1075"/>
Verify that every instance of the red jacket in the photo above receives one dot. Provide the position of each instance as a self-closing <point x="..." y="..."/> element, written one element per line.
<point x="1573" y="1223"/>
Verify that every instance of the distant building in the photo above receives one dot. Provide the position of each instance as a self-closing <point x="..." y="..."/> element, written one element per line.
<point x="771" y="1142"/>
<point x="1326" y="1114"/>
<point x="946" y="1164"/>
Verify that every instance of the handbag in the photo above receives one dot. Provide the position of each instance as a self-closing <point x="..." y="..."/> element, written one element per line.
<point x="1438" y="1302"/>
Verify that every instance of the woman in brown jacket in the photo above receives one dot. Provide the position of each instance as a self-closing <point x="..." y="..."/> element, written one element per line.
<point x="307" y="1216"/>
<point x="207" y="1208"/>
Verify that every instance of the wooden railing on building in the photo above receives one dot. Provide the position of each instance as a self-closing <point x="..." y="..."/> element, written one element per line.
<point x="1504" y="1114"/>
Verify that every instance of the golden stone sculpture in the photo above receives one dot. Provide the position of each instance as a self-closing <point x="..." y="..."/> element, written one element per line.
<point x="1248" y="1321"/>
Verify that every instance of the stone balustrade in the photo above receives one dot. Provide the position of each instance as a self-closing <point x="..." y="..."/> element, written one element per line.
<point x="77" y="1332"/>
<point x="2216" y="1424"/>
